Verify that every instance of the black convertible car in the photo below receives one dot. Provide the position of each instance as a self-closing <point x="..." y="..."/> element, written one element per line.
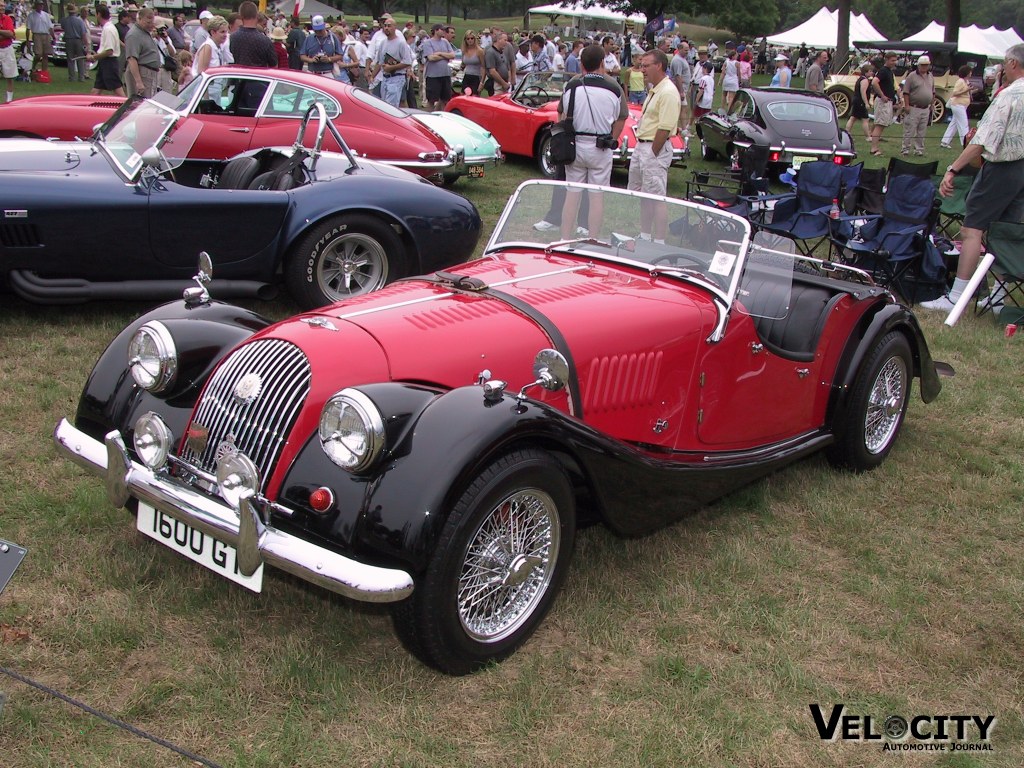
<point x="123" y="216"/>
<point x="794" y="126"/>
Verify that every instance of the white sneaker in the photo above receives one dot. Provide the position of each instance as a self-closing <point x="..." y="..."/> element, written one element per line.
<point x="942" y="304"/>
<point x="582" y="231"/>
<point x="544" y="226"/>
<point x="992" y="303"/>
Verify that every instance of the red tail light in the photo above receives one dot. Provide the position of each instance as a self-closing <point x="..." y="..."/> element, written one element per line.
<point x="774" y="157"/>
<point x="840" y="160"/>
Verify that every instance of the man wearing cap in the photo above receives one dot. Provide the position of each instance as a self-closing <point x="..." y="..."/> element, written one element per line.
<point x="76" y="37"/>
<point x="8" y="62"/>
<point x="108" y="76"/>
<point x="40" y="24"/>
<point x="201" y="34"/>
<point x="485" y="37"/>
<point x="918" y="94"/>
<point x="394" y="56"/>
<point x="250" y="47"/>
<point x="165" y="78"/>
<point x="437" y="52"/>
<point x="321" y="49"/>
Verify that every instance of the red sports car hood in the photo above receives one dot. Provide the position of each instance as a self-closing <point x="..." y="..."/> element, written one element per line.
<point x="619" y="327"/>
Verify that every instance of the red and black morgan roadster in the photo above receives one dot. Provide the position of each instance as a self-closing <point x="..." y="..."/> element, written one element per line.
<point x="434" y="444"/>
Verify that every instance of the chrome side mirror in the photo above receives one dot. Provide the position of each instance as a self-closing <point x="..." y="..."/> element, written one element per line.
<point x="152" y="157"/>
<point x="199" y="294"/>
<point x="551" y="371"/>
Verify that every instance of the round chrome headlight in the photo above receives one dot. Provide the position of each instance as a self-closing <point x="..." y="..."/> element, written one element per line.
<point x="351" y="430"/>
<point x="152" y="357"/>
<point x="152" y="440"/>
<point x="236" y="474"/>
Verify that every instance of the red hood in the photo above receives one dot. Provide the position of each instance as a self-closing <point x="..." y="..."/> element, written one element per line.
<point x="422" y="332"/>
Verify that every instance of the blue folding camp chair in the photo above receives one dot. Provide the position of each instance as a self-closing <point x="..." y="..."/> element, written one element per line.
<point x="803" y="216"/>
<point x="895" y="246"/>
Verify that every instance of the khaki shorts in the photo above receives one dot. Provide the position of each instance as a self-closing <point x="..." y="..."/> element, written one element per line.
<point x="883" y="112"/>
<point x="42" y="45"/>
<point x="649" y="172"/>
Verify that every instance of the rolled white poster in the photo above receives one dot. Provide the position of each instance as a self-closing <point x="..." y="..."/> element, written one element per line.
<point x="972" y="286"/>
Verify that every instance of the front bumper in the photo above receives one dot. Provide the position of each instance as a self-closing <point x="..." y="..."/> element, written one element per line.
<point x="255" y="540"/>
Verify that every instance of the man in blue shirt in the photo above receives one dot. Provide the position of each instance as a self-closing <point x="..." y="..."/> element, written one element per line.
<point x="572" y="61"/>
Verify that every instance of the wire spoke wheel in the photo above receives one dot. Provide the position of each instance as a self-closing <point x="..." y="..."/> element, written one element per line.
<point x="885" y="405"/>
<point x="508" y="565"/>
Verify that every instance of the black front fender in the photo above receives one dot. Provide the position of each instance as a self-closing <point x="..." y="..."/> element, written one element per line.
<point x="202" y="336"/>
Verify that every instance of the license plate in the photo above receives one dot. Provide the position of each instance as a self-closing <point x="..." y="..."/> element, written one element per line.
<point x="799" y="160"/>
<point x="476" y="171"/>
<point x="219" y="557"/>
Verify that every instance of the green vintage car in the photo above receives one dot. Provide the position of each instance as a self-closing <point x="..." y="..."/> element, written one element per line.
<point x="481" y="148"/>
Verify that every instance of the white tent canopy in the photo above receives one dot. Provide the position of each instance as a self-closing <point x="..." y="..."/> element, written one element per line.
<point x="822" y="30"/>
<point x="989" y="42"/>
<point x="596" y="12"/>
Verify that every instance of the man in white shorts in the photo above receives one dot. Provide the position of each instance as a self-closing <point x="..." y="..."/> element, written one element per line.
<point x="599" y="112"/>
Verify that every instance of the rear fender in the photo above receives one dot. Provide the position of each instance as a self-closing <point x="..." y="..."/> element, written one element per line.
<point x="202" y="336"/>
<point x="873" y="327"/>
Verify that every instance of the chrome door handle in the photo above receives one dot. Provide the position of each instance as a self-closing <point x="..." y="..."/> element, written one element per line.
<point x="239" y="130"/>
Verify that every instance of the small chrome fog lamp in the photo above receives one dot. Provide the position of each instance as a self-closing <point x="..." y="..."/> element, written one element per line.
<point x="236" y="474"/>
<point x="152" y="440"/>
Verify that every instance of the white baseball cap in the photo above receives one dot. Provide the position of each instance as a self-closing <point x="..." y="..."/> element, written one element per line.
<point x="205" y="15"/>
<point x="318" y="23"/>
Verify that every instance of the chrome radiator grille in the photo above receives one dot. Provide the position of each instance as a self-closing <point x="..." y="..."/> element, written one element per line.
<point x="250" y="404"/>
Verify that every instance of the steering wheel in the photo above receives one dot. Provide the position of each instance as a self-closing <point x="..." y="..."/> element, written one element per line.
<point x="536" y="96"/>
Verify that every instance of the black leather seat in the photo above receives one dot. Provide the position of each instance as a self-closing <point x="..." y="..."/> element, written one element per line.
<point x="789" y="317"/>
<point x="239" y="173"/>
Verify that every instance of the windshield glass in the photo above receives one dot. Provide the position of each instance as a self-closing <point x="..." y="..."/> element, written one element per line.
<point x="799" y="111"/>
<point x="540" y="88"/>
<point x="134" y="128"/>
<point x="701" y="244"/>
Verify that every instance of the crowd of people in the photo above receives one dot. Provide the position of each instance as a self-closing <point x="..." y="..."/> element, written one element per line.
<point x="674" y="81"/>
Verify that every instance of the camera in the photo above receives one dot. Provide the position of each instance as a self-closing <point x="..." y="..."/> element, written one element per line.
<point x="606" y="141"/>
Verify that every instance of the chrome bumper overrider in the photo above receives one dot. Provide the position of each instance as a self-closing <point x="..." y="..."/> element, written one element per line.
<point x="256" y="542"/>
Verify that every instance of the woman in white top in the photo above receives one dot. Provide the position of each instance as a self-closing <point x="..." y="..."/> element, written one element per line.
<point x="730" y="79"/>
<point x="210" y="53"/>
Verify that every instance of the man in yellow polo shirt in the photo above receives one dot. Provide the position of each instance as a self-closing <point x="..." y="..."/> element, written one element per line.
<point x="648" y="170"/>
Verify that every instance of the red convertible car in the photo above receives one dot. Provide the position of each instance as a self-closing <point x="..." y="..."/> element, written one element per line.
<point x="435" y="445"/>
<point x="243" y="109"/>
<point x="521" y="120"/>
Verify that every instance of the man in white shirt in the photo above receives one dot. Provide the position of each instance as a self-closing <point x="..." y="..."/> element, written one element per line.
<point x="598" y="119"/>
<point x="611" y="62"/>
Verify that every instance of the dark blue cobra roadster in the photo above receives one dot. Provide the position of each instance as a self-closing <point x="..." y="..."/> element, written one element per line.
<point x="123" y="215"/>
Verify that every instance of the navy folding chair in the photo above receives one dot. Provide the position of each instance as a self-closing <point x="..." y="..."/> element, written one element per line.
<point x="896" y="246"/>
<point x="803" y="215"/>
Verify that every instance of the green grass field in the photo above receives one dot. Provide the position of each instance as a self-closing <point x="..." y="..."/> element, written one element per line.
<point x="897" y="592"/>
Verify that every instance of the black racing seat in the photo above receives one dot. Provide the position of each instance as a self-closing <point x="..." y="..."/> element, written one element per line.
<point x="239" y="173"/>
